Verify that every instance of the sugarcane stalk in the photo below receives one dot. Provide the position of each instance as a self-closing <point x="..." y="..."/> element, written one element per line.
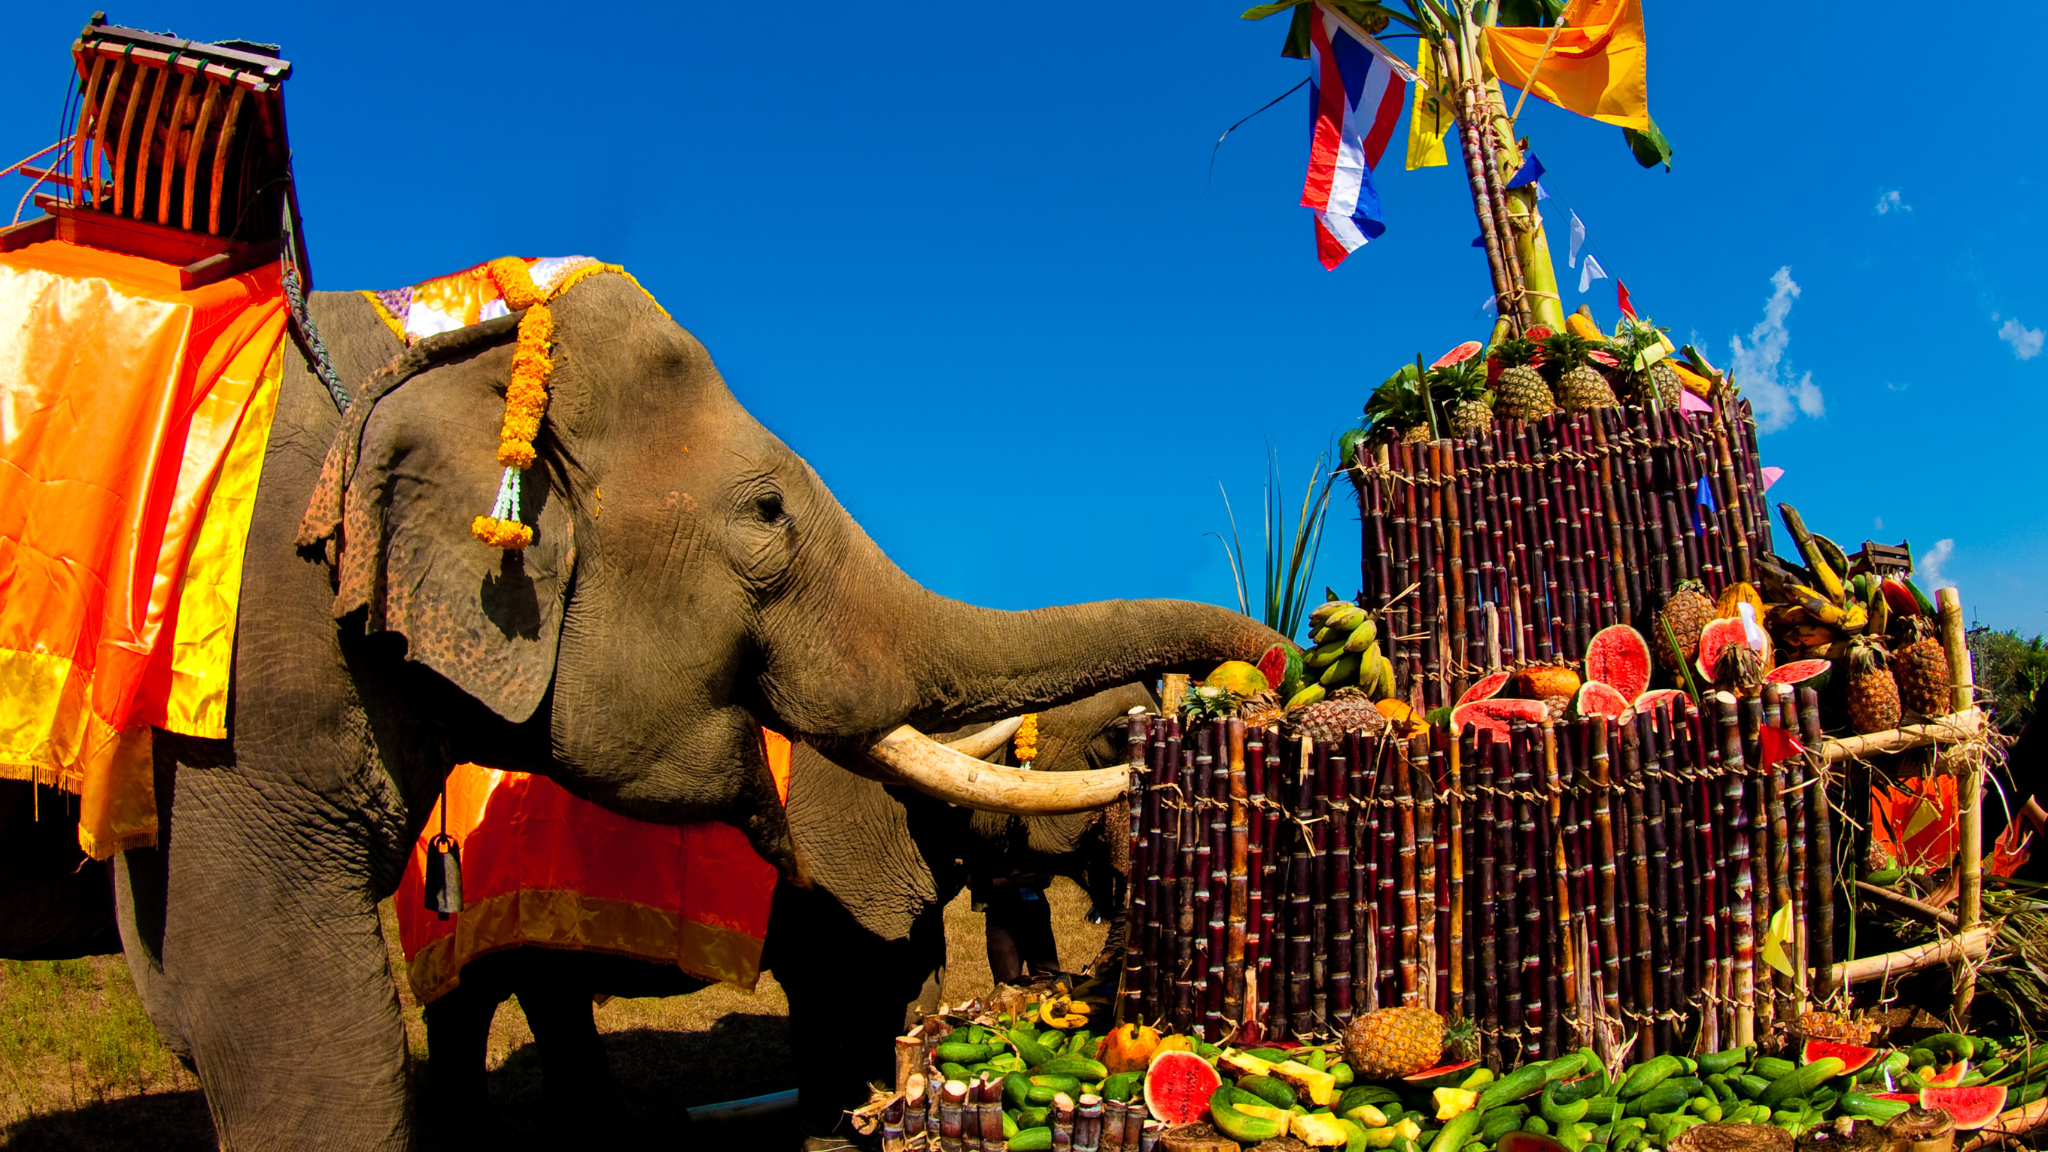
<point x="1239" y="879"/>
<point x="1215" y="988"/>
<point x="1741" y="883"/>
<point x="1488" y="906"/>
<point x="1822" y="851"/>
<point x="1300" y="898"/>
<point x="1644" y="986"/>
<point x="1662" y="1001"/>
<point x="1453" y="923"/>
<point x="1521" y="736"/>
<point x="1781" y="875"/>
<point x="1451" y="547"/>
<point x="1062" y="1117"/>
<point x="1506" y="888"/>
<point x="1113" y="1121"/>
<point x="1392" y="762"/>
<point x="1404" y="797"/>
<point x="1087" y="1124"/>
<point x="1338" y="883"/>
<point x="1423" y="765"/>
<point x="1492" y="229"/>
<point x="1604" y="852"/>
<point x="1435" y="637"/>
<point x="1316" y="799"/>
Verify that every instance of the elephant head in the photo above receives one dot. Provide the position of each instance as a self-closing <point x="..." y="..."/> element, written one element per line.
<point x="689" y="577"/>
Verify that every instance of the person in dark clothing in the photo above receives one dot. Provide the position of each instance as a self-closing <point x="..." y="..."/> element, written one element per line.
<point x="1019" y="920"/>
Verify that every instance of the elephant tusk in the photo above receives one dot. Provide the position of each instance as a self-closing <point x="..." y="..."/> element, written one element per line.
<point x="936" y="770"/>
<point x="988" y="740"/>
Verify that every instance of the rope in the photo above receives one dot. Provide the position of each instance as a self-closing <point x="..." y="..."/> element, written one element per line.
<point x="302" y="320"/>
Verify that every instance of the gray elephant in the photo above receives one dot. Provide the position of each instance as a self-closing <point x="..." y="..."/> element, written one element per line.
<point x="689" y="579"/>
<point x="886" y="861"/>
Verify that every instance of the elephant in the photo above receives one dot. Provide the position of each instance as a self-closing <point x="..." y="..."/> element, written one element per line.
<point x="689" y="579"/>
<point x="870" y="923"/>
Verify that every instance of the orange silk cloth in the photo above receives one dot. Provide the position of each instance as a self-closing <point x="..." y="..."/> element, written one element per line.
<point x="122" y="397"/>
<point x="541" y="867"/>
<point x="1596" y="65"/>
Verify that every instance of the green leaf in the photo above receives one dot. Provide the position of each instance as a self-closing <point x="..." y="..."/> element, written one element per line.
<point x="1650" y="147"/>
<point x="1260" y="12"/>
<point x="1295" y="47"/>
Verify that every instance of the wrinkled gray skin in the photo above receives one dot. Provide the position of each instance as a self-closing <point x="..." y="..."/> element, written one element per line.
<point x="690" y="577"/>
<point x="885" y="861"/>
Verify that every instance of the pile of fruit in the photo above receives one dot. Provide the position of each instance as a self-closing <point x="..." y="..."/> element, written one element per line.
<point x="1580" y="369"/>
<point x="1388" y="1086"/>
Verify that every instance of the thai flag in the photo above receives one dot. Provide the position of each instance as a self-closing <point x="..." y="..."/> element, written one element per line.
<point x="1355" y="96"/>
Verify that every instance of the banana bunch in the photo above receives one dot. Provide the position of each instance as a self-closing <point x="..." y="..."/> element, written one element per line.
<point x="1816" y="620"/>
<point x="1346" y="654"/>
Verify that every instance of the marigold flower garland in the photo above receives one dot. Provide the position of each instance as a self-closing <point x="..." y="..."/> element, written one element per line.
<point x="526" y="399"/>
<point x="1027" y="739"/>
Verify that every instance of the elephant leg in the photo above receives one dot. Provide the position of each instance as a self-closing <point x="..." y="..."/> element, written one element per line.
<point x="274" y="969"/>
<point x="1023" y="919"/>
<point x="556" y="997"/>
<point x="847" y="990"/>
<point x="458" y="1038"/>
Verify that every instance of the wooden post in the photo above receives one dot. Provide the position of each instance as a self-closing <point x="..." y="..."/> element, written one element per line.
<point x="1970" y="796"/>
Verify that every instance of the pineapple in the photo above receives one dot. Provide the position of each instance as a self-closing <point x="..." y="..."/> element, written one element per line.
<point x="1460" y="390"/>
<point x="1739" y="667"/>
<point x="1632" y="338"/>
<point x="1391" y="1042"/>
<point x="1687" y="614"/>
<point x="1400" y="403"/>
<point x="1665" y="379"/>
<point x="1327" y="720"/>
<point x="1873" y="694"/>
<point x="1522" y="392"/>
<point x="1923" y="677"/>
<point x="1261" y="709"/>
<point x="1828" y="1026"/>
<point x="1580" y="387"/>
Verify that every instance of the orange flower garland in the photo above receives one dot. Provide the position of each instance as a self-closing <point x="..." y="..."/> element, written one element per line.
<point x="1026" y="740"/>
<point x="526" y="399"/>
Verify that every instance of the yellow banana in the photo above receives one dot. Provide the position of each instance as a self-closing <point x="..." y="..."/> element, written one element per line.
<point x="1824" y="609"/>
<point x="1855" y="618"/>
<point x="1809" y="635"/>
<point x="1308" y="695"/>
<point x="1323" y="612"/>
<point x="1323" y="656"/>
<point x="1343" y="622"/>
<point x="1830" y="584"/>
<point x="1344" y="671"/>
<point x="1383" y="678"/>
<point x="1363" y="636"/>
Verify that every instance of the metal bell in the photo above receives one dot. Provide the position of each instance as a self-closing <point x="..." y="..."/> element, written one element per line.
<point x="444" y="876"/>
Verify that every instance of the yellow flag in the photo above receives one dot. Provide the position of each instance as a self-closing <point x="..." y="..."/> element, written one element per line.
<point x="1596" y="65"/>
<point x="1432" y="114"/>
<point x="1776" y="937"/>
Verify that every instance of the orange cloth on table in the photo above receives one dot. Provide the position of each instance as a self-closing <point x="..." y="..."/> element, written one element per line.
<point x="1597" y="66"/>
<point x="120" y="396"/>
<point x="541" y="867"/>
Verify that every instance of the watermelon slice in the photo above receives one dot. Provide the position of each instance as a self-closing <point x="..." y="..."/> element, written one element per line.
<point x="1597" y="699"/>
<point x="1178" y="1086"/>
<point x="1599" y="357"/>
<point x="1485" y="689"/>
<point x="1972" y="1107"/>
<point x="1281" y="666"/>
<point x="1649" y="700"/>
<point x="1720" y="634"/>
<point x="1540" y="332"/>
<point x="1619" y="656"/>
<point x="1799" y="672"/>
<point x="1428" y="1076"/>
<point x="1949" y="1076"/>
<point x="1458" y="355"/>
<point x="1852" y="1057"/>
<point x="1494" y="715"/>
<point x="1900" y="1097"/>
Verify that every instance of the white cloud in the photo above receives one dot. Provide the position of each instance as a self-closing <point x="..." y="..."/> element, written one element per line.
<point x="1880" y="523"/>
<point x="2026" y="342"/>
<point x="1890" y="202"/>
<point x="1777" y="397"/>
<point x="1929" y="567"/>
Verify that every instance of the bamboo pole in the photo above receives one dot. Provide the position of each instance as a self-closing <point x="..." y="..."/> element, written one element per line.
<point x="1970" y="793"/>
<point x="1961" y="727"/>
<point x="1966" y="947"/>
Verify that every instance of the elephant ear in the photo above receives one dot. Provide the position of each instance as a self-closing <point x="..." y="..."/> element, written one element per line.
<point x="411" y="468"/>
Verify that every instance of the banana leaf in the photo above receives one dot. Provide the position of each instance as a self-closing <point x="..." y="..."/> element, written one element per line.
<point x="1650" y="148"/>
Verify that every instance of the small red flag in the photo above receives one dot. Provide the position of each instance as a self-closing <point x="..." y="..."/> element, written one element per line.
<point x="1621" y="297"/>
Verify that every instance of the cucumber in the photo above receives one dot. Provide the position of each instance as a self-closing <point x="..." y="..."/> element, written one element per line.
<point x="1524" y="1081"/>
<point x="1316" y="1060"/>
<point x="1031" y="1140"/>
<point x="1751" y="1087"/>
<point x="1711" y="1113"/>
<point x="1017" y="1090"/>
<point x="1537" y="1125"/>
<point x="963" y="1053"/>
<point x="1561" y="1113"/>
<point x="1270" y="1055"/>
<point x="1957" y="1046"/>
<point x="1771" y="1068"/>
<point x="1728" y="1060"/>
<point x="1028" y="1047"/>
<point x="1662" y="1098"/>
<point x="1457" y="1130"/>
<point x="1601" y="1109"/>
<point x="1344" y="1074"/>
<point x="1917" y="1057"/>
<point x="1564" y="1067"/>
<point x="1044" y="1088"/>
<point x="1080" y="1043"/>
<point x="1036" y="1117"/>
<point x="1717" y="1083"/>
<point x="1270" y="1090"/>
<point x="953" y="1071"/>
<point x="1498" y="1122"/>
<point x="1648" y="1075"/>
<point x="1010" y="1128"/>
<point x="1119" y="1086"/>
<point x="1866" y="1107"/>
<point x="1801" y="1082"/>
<point x="1078" y="1067"/>
<point x="1242" y="1127"/>
<point x="1366" y="1094"/>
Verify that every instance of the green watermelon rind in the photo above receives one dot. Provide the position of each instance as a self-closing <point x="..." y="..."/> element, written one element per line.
<point x="1159" y="1083"/>
<point x="1485" y="688"/>
<point x="1988" y="1101"/>
<point x="1799" y="672"/>
<point x="1594" y="689"/>
<point x="1854" y="1057"/>
<point x="1712" y="634"/>
<point x="1288" y="658"/>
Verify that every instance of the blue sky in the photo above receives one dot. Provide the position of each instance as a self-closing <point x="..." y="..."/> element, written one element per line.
<point x="969" y="260"/>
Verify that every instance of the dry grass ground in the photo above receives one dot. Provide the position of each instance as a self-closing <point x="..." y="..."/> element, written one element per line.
<point x="81" y="1067"/>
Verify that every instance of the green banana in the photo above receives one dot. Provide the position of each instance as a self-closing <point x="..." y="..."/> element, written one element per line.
<point x="1343" y="622"/>
<point x="1323" y="656"/>
<point x="1344" y="671"/>
<point x="1311" y="694"/>
<point x="1364" y="636"/>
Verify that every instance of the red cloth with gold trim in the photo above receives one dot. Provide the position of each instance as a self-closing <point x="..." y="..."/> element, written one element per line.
<point x="541" y="867"/>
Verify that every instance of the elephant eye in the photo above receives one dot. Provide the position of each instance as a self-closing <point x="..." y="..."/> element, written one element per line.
<point x="769" y="506"/>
